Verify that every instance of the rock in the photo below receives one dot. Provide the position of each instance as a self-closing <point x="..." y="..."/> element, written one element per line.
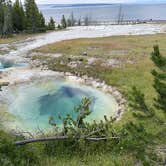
<point x="3" y="83"/>
<point x="85" y="54"/>
<point x="119" y="112"/>
<point x="123" y="101"/>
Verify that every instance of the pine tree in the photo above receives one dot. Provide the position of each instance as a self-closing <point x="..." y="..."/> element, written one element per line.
<point x="41" y="23"/>
<point x="51" y="24"/>
<point x="59" y="27"/>
<point x="72" y="19"/>
<point x="79" y="22"/>
<point x="15" y="19"/>
<point x="68" y="22"/>
<point x="18" y="16"/>
<point x="159" y="78"/>
<point x="31" y="15"/>
<point x="1" y="17"/>
<point x="86" y="21"/>
<point x="7" y="27"/>
<point x="63" y="22"/>
<point x="34" y="19"/>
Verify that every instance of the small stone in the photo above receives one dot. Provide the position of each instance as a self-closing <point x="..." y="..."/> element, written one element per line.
<point x="85" y="54"/>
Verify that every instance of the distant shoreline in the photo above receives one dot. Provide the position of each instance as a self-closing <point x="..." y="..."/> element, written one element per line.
<point x="128" y="22"/>
<point x="105" y="11"/>
<point x="97" y="4"/>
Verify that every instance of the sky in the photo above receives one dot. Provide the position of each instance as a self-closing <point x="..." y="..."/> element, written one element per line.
<point x="95" y="1"/>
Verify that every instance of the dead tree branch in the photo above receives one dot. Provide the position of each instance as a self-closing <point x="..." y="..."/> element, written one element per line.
<point x="24" y="142"/>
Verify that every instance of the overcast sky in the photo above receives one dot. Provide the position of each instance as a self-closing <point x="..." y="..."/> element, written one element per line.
<point x="94" y="1"/>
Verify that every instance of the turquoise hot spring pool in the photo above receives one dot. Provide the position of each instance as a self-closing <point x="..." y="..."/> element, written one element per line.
<point x="31" y="104"/>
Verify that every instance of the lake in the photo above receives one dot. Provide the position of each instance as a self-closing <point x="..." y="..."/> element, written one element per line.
<point x="106" y="13"/>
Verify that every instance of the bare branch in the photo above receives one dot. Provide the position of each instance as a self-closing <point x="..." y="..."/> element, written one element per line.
<point x="24" y="142"/>
<point x="94" y="132"/>
<point x="101" y="139"/>
<point x="41" y="140"/>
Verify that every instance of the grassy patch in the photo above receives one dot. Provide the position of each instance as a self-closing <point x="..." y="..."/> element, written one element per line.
<point x="136" y="48"/>
<point x="17" y="37"/>
<point x="138" y="73"/>
<point x="91" y="160"/>
<point x="116" y="46"/>
<point x="14" y="38"/>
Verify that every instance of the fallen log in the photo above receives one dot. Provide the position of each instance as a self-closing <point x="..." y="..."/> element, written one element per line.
<point x="24" y="142"/>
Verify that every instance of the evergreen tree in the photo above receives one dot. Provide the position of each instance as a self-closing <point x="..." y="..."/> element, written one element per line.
<point x="15" y="19"/>
<point x="1" y="17"/>
<point x="31" y="15"/>
<point x="86" y="21"/>
<point x="79" y="22"/>
<point x="159" y="78"/>
<point x="7" y="27"/>
<point x="68" y="22"/>
<point x="59" y="27"/>
<point x="34" y="19"/>
<point x="63" y="22"/>
<point x="72" y="19"/>
<point x="41" y="23"/>
<point x="138" y="104"/>
<point x="51" y="24"/>
<point x="18" y="16"/>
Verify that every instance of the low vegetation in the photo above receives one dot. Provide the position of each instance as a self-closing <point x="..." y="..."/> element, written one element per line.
<point x="137" y="139"/>
<point x="136" y="49"/>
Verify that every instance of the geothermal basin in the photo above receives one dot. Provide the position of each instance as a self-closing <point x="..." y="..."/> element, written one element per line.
<point x="30" y="105"/>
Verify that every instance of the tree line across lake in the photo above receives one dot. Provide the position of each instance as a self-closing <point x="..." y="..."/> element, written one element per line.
<point x="15" y="18"/>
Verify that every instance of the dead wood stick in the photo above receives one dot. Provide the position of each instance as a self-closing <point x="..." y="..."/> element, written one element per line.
<point x="24" y="142"/>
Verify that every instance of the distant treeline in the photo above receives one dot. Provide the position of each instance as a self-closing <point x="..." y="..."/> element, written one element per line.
<point x="71" y="21"/>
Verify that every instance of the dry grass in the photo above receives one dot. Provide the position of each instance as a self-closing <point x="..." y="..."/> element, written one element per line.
<point x="116" y="46"/>
<point x="124" y="77"/>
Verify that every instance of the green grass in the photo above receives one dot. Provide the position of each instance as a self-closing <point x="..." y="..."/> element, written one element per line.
<point x="14" y="38"/>
<point x="90" y="160"/>
<point x="124" y="77"/>
<point x="129" y="46"/>
<point x="17" y="37"/>
<point x="136" y="48"/>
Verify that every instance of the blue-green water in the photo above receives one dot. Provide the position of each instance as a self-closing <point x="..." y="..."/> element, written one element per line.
<point x="32" y="104"/>
<point x="9" y="64"/>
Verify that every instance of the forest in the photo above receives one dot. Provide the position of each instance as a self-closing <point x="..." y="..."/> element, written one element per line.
<point x="16" y="18"/>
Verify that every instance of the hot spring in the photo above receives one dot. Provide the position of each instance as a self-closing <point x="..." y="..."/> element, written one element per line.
<point x="32" y="104"/>
<point x="4" y="64"/>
